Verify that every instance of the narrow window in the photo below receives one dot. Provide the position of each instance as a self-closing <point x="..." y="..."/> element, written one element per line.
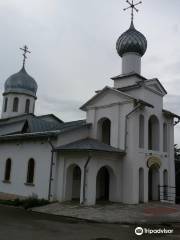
<point x="153" y="133"/>
<point x="165" y="137"/>
<point x="5" y="104"/>
<point x="104" y="130"/>
<point x="141" y="131"/>
<point x="7" y="174"/>
<point x="30" y="171"/>
<point x="27" y="106"/>
<point x="15" y="104"/>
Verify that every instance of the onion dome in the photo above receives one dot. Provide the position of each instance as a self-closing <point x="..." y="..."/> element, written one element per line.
<point x="21" y="82"/>
<point x="131" y="41"/>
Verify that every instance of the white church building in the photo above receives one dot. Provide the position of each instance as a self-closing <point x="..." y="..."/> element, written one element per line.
<point x="122" y="152"/>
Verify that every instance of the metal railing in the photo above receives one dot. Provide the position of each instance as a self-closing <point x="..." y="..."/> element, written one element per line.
<point x="167" y="193"/>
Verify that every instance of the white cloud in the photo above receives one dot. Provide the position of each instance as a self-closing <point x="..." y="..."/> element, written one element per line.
<point x="73" y="47"/>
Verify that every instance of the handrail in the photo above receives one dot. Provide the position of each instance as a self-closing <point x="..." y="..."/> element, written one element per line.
<point x="167" y="193"/>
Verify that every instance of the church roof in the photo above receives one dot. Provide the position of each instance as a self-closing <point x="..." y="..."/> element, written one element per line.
<point x="88" y="144"/>
<point x="131" y="41"/>
<point x="98" y="93"/>
<point x="16" y="127"/>
<point x="21" y="82"/>
<point x="148" y="83"/>
<point x="127" y="75"/>
<point x="170" y="114"/>
<point x="31" y="125"/>
<point x="116" y="90"/>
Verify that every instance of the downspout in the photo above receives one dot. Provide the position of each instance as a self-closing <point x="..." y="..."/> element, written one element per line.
<point x="51" y="169"/>
<point x="84" y="179"/>
<point x="127" y="117"/>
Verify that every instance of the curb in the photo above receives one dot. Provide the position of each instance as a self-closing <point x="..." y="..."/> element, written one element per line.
<point x="142" y="222"/>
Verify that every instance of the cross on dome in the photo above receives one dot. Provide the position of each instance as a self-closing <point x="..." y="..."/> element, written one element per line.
<point x="132" y="5"/>
<point x="25" y="50"/>
<point x="131" y="41"/>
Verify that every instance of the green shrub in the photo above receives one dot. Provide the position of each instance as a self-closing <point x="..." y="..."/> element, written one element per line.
<point x="33" y="202"/>
<point x="25" y="203"/>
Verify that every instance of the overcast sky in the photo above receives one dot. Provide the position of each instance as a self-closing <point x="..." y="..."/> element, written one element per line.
<point x="73" y="48"/>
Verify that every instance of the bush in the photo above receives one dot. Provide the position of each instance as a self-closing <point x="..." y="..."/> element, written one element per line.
<point x="25" y="203"/>
<point x="33" y="202"/>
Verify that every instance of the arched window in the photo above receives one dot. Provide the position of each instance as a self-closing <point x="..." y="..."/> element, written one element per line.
<point x="153" y="133"/>
<point x="165" y="137"/>
<point x="15" y="104"/>
<point x="5" y="104"/>
<point x="7" y="174"/>
<point x="141" y="131"/>
<point x="27" y="106"/>
<point x="104" y="130"/>
<point x="30" y="171"/>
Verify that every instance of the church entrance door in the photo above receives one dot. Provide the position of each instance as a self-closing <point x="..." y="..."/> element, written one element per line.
<point x="153" y="180"/>
<point x="76" y="185"/>
<point x="73" y="183"/>
<point x="102" y="185"/>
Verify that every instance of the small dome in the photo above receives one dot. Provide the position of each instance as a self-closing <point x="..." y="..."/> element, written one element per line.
<point x="131" y="41"/>
<point x="21" y="82"/>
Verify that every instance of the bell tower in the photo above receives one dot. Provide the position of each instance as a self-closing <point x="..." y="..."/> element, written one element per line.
<point x="131" y="45"/>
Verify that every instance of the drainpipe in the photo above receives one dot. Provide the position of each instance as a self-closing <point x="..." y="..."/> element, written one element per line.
<point x="51" y="169"/>
<point x="84" y="180"/>
<point x="127" y="117"/>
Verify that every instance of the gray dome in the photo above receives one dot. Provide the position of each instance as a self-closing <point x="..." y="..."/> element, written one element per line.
<point x="131" y="41"/>
<point x="21" y="82"/>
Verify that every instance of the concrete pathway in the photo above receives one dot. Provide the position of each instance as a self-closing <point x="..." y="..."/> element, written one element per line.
<point x="152" y="213"/>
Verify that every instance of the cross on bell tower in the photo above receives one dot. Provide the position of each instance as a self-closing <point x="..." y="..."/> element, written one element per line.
<point x="131" y="46"/>
<point x="133" y="7"/>
<point x="25" y="50"/>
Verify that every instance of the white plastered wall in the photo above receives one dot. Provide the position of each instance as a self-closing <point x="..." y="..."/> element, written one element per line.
<point x="137" y="158"/>
<point x="131" y="62"/>
<point x="22" y="103"/>
<point x="97" y="161"/>
<point x="115" y="109"/>
<point x="20" y="152"/>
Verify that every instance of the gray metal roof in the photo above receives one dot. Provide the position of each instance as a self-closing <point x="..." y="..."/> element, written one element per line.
<point x="88" y="144"/>
<point x="131" y="41"/>
<point x="30" y="124"/>
<point x="15" y="128"/>
<point x="21" y="82"/>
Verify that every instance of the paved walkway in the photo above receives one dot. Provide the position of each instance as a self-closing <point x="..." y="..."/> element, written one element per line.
<point x="154" y="213"/>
